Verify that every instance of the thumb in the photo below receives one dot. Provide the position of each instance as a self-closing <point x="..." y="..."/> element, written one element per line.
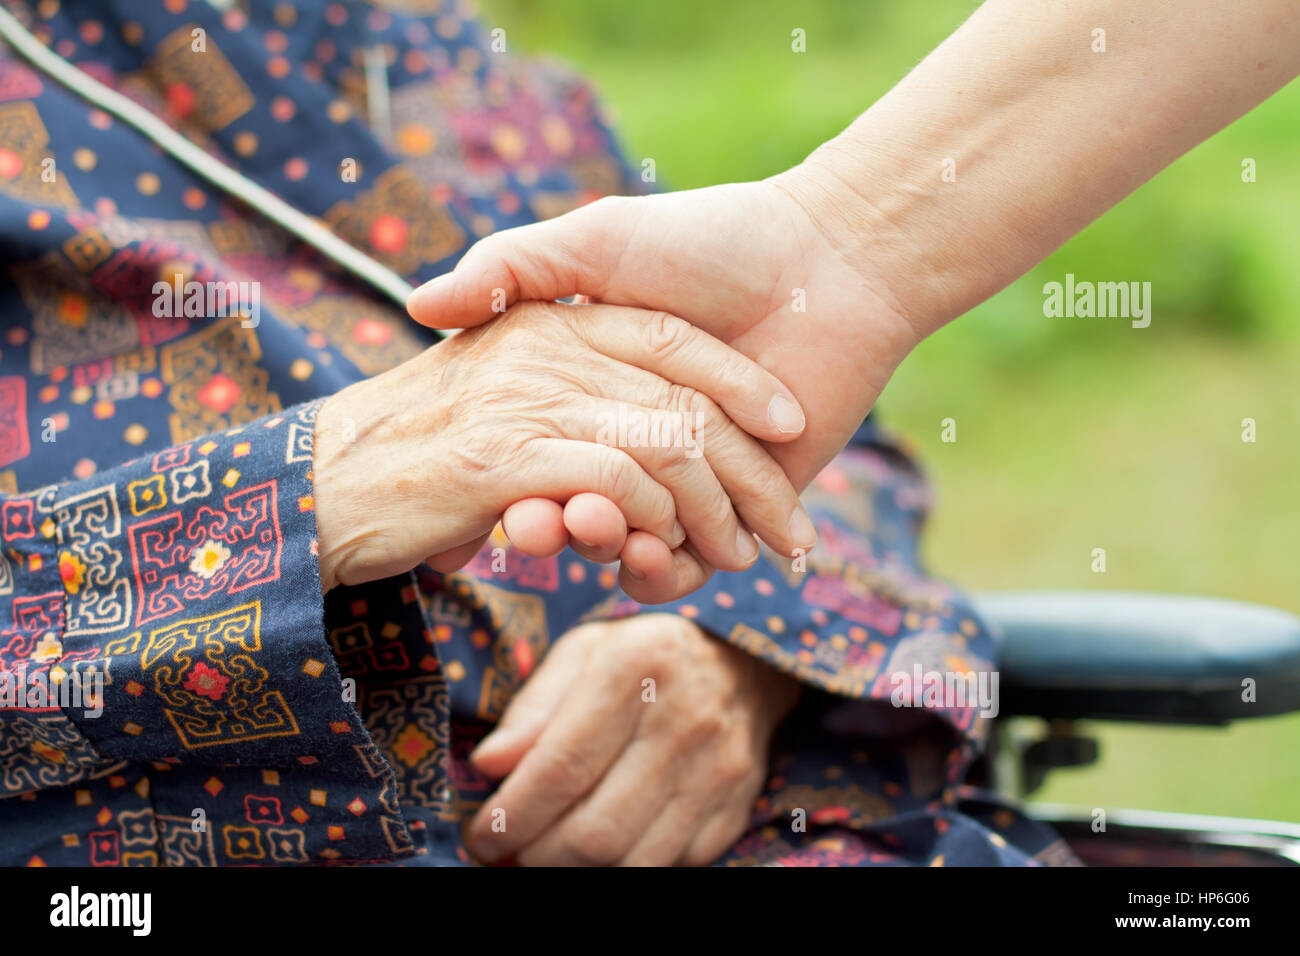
<point x="529" y="711"/>
<point x="573" y="254"/>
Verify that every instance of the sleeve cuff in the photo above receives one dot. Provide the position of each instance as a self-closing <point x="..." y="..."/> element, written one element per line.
<point x="185" y="588"/>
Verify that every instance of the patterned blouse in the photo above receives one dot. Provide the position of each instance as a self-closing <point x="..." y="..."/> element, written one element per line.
<point x="158" y="537"/>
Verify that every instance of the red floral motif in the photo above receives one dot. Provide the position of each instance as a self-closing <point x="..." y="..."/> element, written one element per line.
<point x="388" y="233"/>
<point x="220" y="393"/>
<point x="524" y="659"/>
<point x="369" y="331"/>
<point x="11" y="164"/>
<point x="72" y="570"/>
<point x="207" y="681"/>
<point x="180" y="100"/>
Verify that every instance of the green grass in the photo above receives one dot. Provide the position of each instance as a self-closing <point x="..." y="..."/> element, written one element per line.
<point x="1072" y="434"/>
<point x="1135" y="448"/>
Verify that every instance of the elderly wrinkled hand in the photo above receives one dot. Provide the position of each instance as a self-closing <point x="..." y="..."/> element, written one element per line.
<point x="425" y="458"/>
<point x="641" y="741"/>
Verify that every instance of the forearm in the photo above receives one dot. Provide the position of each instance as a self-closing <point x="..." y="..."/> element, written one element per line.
<point x="1038" y="132"/>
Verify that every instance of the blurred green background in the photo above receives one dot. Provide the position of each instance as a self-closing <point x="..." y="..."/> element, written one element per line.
<point x="1072" y="434"/>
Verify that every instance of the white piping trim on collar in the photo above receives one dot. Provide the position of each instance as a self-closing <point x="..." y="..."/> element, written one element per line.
<point x="375" y="273"/>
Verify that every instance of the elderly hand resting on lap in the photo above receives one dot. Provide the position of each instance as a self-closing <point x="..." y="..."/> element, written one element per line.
<point x="604" y="768"/>
<point x="421" y="461"/>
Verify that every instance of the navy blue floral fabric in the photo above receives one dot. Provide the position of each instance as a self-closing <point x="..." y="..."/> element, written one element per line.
<point x="157" y="533"/>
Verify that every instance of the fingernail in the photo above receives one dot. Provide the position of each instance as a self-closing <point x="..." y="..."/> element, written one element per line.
<point x="802" y="532"/>
<point x="679" y="534"/>
<point x="746" y="545"/>
<point x="785" y="415"/>
<point x="636" y="575"/>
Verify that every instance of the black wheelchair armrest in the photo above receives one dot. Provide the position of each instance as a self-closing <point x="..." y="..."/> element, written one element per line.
<point x="1142" y="657"/>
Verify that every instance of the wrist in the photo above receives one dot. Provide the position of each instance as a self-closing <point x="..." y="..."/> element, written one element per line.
<point x="891" y="231"/>
<point x="335" y="485"/>
<point x="385" y="497"/>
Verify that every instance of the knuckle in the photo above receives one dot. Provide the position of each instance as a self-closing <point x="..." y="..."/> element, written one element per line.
<point x="705" y="419"/>
<point x="736" y="377"/>
<point x="719" y="513"/>
<point x="704" y="408"/>
<point x="586" y="634"/>
<point x="659" y="640"/>
<point x="598" y="839"/>
<point x="704" y="852"/>
<point x="661" y="458"/>
<point x="639" y="643"/>
<point x="654" y="649"/>
<point x="767" y="485"/>
<point x="677" y="642"/>
<point x="705" y="724"/>
<point x="492" y="244"/>
<point x="680" y="398"/>
<point x="568" y="772"/>
<point x="481" y="452"/>
<point x="663" y="509"/>
<point x="644" y="655"/>
<point x="485" y="248"/>
<point x="616" y="472"/>
<point x="664" y="513"/>
<point x="736" y="770"/>
<point x="645" y="503"/>
<point x="666" y="334"/>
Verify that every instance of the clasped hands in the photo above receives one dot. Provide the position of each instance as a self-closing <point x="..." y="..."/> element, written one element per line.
<point x="614" y="428"/>
<point x="748" y="318"/>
